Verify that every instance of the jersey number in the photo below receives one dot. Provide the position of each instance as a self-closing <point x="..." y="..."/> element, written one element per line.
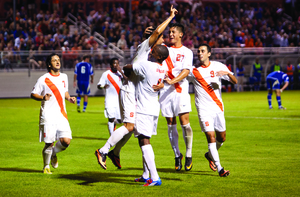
<point x="83" y="69"/>
<point x="64" y="83"/>
<point x="179" y="57"/>
<point x="212" y="74"/>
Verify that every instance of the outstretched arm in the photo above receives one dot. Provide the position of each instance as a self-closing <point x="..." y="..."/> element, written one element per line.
<point x="184" y="73"/>
<point x="284" y="86"/>
<point x="231" y="77"/>
<point x="162" y="26"/>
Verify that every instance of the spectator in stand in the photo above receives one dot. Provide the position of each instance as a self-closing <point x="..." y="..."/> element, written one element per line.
<point x="122" y="44"/>
<point x="276" y="66"/>
<point x="276" y="39"/>
<point x="249" y="42"/>
<point x="284" y="41"/>
<point x="91" y="41"/>
<point x="290" y="73"/>
<point x="239" y="39"/>
<point x="240" y="72"/>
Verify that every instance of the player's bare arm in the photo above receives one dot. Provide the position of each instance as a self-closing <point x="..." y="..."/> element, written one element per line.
<point x="69" y="98"/>
<point x="284" y="86"/>
<point x="231" y="77"/>
<point x="92" y="79"/>
<point x="184" y="73"/>
<point x="159" y="86"/>
<point x="74" y="83"/>
<point x="122" y="73"/>
<point x="162" y="26"/>
<point x="102" y="86"/>
<point x="38" y="97"/>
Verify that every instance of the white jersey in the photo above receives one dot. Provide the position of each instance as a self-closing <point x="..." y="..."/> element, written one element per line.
<point x="208" y="87"/>
<point x="141" y="54"/>
<point x="113" y="80"/>
<point x="52" y="111"/>
<point x="180" y="58"/>
<point x="150" y="74"/>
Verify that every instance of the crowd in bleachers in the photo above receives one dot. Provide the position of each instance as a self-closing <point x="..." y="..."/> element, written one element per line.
<point x="260" y="25"/>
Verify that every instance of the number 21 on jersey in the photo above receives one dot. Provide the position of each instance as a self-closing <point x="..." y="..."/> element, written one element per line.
<point x="179" y="58"/>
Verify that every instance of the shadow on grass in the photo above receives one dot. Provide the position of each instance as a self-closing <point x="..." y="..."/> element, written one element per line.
<point x="21" y="170"/>
<point x="89" y="138"/>
<point x="94" y="177"/>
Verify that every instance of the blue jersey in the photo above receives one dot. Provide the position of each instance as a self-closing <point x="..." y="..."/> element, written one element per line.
<point x="278" y="75"/>
<point x="83" y="70"/>
<point x="239" y="70"/>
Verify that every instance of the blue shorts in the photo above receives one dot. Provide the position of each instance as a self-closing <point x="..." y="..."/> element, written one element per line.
<point x="257" y="77"/>
<point x="83" y="87"/>
<point x="273" y="83"/>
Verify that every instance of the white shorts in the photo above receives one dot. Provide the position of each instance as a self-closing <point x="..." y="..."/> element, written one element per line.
<point x="112" y="112"/>
<point x="127" y="106"/>
<point x="212" y="122"/>
<point x="50" y="133"/>
<point x="145" y="125"/>
<point x="174" y="104"/>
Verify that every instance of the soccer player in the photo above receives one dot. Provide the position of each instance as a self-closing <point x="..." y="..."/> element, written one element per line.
<point x="128" y="102"/>
<point x="150" y="73"/>
<point x="274" y="80"/>
<point x="83" y="72"/>
<point x="52" y="90"/>
<point x="207" y="82"/>
<point x="174" y="97"/>
<point x="111" y="81"/>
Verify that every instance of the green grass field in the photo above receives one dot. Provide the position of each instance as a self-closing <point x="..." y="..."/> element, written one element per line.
<point x="262" y="153"/>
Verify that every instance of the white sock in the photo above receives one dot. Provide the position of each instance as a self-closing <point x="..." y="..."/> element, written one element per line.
<point x="212" y="149"/>
<point x="188" y="138"/>
<point x="111" y="127"/>
<point x="173" y="137"/>
<point x="121" y="143"/>
<point x="58" y="148"/>
<point x="146" y="170"/>
<point x="116" y="136"/>
<point x="148" y="154"/>
<point x="47" y="152"/>
<point x="219" y="144"/>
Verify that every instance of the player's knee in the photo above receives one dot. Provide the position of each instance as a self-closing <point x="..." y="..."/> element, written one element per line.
<point x="66" y="142"/>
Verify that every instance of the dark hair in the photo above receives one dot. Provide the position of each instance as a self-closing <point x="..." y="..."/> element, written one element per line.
<point x="162" y="51"/>
<point x="112" y="60"/>
<point x="148" y="35"/>
<point x="178" y="26"/>
<point x="207" y="46"/>
<point x="86" y="56"/>
<point x="48" y="61"/>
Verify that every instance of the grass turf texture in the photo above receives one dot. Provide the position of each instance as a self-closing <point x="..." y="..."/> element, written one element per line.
<point x="261" y="152"/>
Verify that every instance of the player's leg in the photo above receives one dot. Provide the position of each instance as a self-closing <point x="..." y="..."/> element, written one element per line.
<point x="86" y="92"/>
<point x="47" y="152"/>
<point x="278" y="98"/>
<point x="149" y="157"/>
<point x="47" y="134"/>
<point x="111" y="125"/>
<point x="270" y="91"/>
<point x="85" y="103"/>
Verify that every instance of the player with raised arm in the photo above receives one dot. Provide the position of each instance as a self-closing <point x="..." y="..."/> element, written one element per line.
<point x="110" y="80"/>
<point x="128" y="102"/>
<point x="52" y="90"/>
<point x="82" y="73"/>
<point x="274" y="80"/>
<point x="207" y="82"/>
<point x="174" y="97"/>
<point x="150" y="73"/>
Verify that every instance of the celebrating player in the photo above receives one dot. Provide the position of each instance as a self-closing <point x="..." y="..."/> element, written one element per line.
<point x="207" y="81"/>
<point x="174" y="98"/>
<point x="111" y="81"/>
<point x="52" y="90"/>
<point x="83" y="72"/>
<point x="274" y="80"/>
<point x="128" y="102"/>
<point x="150" y="73"/>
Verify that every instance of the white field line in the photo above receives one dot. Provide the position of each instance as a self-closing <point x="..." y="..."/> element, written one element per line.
<point x="269" y="118"/>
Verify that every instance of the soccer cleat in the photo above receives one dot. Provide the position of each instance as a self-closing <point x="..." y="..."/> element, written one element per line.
<point x="178" y="162"/>
<point x="115" y="159"/>
<point x="78" y="108"/>
<point x="150" y="182"/>
<point x="281" y="107"/>
<point x="188" y="163"/>
<point x="46" y="170"/>
<point x="212" y="165"/>
<point x="101" y="159"/>
<point x="270" y="107"/>
<point x="141" y="179"/>
<point x="54" y="161"/>
<point x="224" y="173"/>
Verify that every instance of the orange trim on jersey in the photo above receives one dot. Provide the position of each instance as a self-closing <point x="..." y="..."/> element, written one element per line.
<point x="171" y="76"/>
<point x="203" y="66"/>
<point x="176" y="47"/>
<point x="207" y="87"/>
<point x="57" y="95"/>
<point x="112" y="81"/>
<point x="54" y="75"/>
